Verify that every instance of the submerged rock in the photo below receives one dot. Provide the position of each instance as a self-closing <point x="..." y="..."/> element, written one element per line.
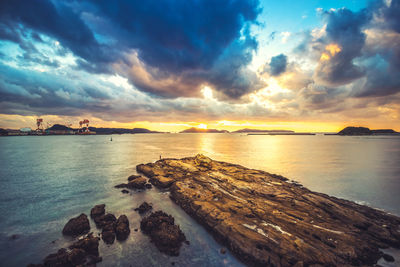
<point x="77" y="226"/>
<point x="266" y="220"/>
<point x="167" y="236"/>
<point x="108" y="234"/>
<point x="84" y="252"/>
<point x="144" y="207"/>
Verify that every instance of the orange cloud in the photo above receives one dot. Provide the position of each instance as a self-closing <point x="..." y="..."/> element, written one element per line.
<point x="330" y="51"/>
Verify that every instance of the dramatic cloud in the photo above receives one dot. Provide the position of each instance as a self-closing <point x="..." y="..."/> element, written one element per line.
<point x="180" y="41"/>
<point x="359" y="50"/>
<point x="18" y="17"/>
<point x="166" y="60"/>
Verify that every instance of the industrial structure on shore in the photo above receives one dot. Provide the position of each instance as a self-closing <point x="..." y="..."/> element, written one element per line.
<point x="53" y="129"/>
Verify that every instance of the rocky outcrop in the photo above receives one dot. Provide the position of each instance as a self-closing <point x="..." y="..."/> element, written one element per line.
<point x="267" y="220"/>
<point x="77" y="226"/>
<point x="163" y="232"/>
<point x="84" y="252"/>
<point x="143" y="208"/>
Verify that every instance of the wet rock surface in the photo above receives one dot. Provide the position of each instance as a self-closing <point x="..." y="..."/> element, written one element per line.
<point x="266" y="220"/>
<point x="84" y="252"/>
<point x="163" y="232"/>
<point x="77" y="226"/>
<point x="143" y="208"/>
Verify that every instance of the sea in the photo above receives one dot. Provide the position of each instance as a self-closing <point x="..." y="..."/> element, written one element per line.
<point x="46" y="180"/>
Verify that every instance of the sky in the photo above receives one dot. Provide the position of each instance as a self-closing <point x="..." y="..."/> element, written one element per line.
<point x="227" y="64"/>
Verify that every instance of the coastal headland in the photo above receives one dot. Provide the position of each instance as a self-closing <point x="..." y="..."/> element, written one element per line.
<point x="267" y="220"/>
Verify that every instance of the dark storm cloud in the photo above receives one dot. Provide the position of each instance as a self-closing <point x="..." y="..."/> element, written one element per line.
<point x="178" y="35"/>
<point x="181" y="39"/>
<point x="344" y="28"/>
<point x="47" y="94"/>
<point x="382" y="53"/>
<point x="368" y="62"/>
<point x="277" y="65"/>
<point x="58" y="21"/>
<point x="189" y="42"/>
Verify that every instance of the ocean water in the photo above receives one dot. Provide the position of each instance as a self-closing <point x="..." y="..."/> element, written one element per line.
<point x="46" y="180"/>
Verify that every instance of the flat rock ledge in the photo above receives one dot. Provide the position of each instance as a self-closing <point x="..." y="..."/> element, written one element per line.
<point x="266" y="220"/>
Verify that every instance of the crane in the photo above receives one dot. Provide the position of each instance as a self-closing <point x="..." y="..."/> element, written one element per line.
<point x="39" y="124"/>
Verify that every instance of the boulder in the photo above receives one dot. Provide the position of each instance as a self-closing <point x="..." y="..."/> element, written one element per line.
<point x="77" y="226"/>
<point x="124" y="191"/>
<point x="138" y="183"/>
<point x="105" y="219"/>
<point x="108" y="236"/>
<point x="98" y="210"/>
<point x="122" y="228"/>
<point x="144" y="207"/>
<point x="167" y="236"/>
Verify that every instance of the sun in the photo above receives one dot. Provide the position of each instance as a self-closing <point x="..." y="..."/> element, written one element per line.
<point x="202" y="126"/>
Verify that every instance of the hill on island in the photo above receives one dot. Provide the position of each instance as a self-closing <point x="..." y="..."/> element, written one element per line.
<point x="351" y="130"/>
<point x="120" y="130"/>
<point x="198" y="130"/>
<point x="59" y="127"/>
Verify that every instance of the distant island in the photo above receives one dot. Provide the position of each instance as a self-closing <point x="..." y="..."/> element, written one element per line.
<point x="246" y="130"/>
<point x="121" y="130"/>
<point x="351" y="130"/>
<point x="199" y="130"/>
